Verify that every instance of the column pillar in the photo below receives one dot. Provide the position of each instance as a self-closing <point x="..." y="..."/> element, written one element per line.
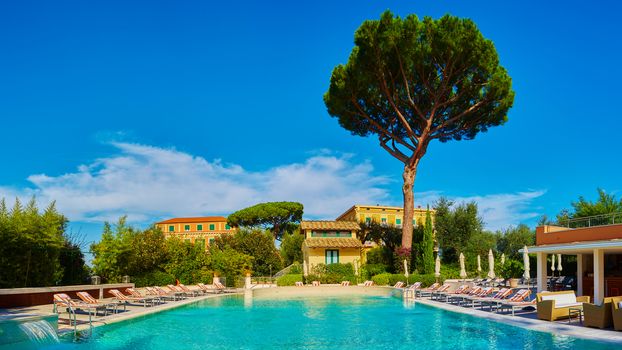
<point x="599" y="276"/>
<point x="247" y="281"/>
<point x="541" y="271"/>
<point x="579" y="274"/>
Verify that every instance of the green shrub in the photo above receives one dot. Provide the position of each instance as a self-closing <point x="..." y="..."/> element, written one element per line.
<point x="369" y="270"/>
<point x="512" y="269"/>
<point x="289" y="280"/>
<point x="330" y="278"/>
<point x="426" y="280"/>
<point x="154" y="278"/>
<point x="381" y="279"/>
<point x="450" y="271"/>
<point x="396" y="277"/>
<point x="380" y="255"/>
<point x="296" y="269"/>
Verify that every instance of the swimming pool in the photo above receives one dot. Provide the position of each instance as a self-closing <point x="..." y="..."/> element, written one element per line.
<point x="353" y="322"/>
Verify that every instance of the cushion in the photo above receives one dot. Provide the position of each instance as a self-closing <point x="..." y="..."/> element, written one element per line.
<point x="561" y="306"/>
<point x="563" y="298"/>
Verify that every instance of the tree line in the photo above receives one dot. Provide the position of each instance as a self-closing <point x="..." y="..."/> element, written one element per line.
<point x="151" y="259"/>
<point x="36" y="248"/>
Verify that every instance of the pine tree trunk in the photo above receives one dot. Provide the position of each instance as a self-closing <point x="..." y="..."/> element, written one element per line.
<point x="410" y="171"/>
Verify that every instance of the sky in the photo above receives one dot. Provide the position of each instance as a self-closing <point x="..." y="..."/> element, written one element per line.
<point x="160" y="109"/>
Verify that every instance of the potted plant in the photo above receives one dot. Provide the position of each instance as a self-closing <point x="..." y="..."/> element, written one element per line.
<point x="513" y="270"/>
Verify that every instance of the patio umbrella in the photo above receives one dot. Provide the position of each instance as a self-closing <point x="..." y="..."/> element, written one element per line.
<point x="437" y="267"/>
<point x="559" y="263"/>
<point x="526" y="263"/>
<point x="503" y="259"/>
<point x="405" y="268"/>
<point x="491" y="264"/>
<point x="553" y="264"/>
<point x="479" y="265"/>
<point x="463" y="273"/>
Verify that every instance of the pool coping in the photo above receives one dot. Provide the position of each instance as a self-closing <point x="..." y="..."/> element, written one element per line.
<point x="606" y="336"/>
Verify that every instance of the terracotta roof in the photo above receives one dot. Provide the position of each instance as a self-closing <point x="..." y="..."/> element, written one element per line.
<point x="333" y="243"/>
<point x="197" y="219"/>
<point x="330" y="225"/>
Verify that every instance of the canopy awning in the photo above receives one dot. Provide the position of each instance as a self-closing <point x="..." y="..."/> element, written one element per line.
<point x="612" y="245"/>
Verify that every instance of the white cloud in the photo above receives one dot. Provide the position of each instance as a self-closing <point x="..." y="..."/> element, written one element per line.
<point x="147" y="183"/>
<point x="498" y="210"/>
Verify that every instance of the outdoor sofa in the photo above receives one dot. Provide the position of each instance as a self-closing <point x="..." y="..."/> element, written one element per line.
<point x="555" y="305"/>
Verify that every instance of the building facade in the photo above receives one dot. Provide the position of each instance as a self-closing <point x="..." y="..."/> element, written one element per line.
<point x="197" y="230"/>
<point x="382" y="214"/>
<point x="598" y="252"/>
<point x="330" y="242"/>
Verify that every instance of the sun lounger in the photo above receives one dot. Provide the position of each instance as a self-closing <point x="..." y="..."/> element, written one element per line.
<point x="345" y="283"/>
<point x="207" y="289"/>
<point x="168" y="294"/>
<point x="445" y="294"/>
<point x="127" y="299"/>
<point x="64" y="301"/>
<point x="368" y="283"/>
<point x="458" y="297"/>
<point x="177" y="289"/>
<point x="500" y="295"/>
<point x="410" y="291"/>
<point x="299" y="284"/>
<point x="150" y="298"/>
<point x="399" y="284"/>
<point x="470" y="299"/>
<point x="194" y="292"/>
<point x="429" y="290"/>
<point x="518" y="301"/>
<point x="96" y="305"/>
<point x="221" y="287"/>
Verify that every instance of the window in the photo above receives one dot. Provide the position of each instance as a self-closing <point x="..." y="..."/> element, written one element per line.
<point x="367" y="220"/>
<point x="186" y="227"/>
<point x="211" y="227"/>
<point x="414" y="222"/>
<point x="227" y="227"/>
<point x="199" y="227"/>
<point x="188" y="240"/>
<point x="211" y="241"/>
<point x="383" y="221"/>
<point x="332" y="256"/>
<point x="398" y="221"/>
<point x="171" y="228"/>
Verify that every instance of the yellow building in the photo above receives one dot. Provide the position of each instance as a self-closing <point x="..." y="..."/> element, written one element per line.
<point x="330" y="242"/>
<point x="383" y="215"/>
<point x="198" y="230"/>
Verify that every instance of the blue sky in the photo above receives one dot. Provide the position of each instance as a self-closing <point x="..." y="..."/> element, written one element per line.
<point x="157" y="109"/>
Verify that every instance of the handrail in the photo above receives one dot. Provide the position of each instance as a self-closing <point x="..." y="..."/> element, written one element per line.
<point x="591" y="221"/>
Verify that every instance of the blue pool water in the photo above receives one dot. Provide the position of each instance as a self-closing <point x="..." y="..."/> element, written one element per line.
<point x="357" y="322"/>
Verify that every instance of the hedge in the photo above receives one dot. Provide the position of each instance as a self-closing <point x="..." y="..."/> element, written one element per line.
<point x="331" y="278"/>
<point x="389" y="279"/>
<point x="288" y="280"/>
<point x="155" y="278"/>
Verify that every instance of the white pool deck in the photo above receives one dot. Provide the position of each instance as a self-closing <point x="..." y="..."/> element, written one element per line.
<point x="528" y="320"/>
<point x="524" y="319"/>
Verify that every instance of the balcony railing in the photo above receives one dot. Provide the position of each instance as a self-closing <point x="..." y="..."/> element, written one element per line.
<point x="591" y="221"/>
